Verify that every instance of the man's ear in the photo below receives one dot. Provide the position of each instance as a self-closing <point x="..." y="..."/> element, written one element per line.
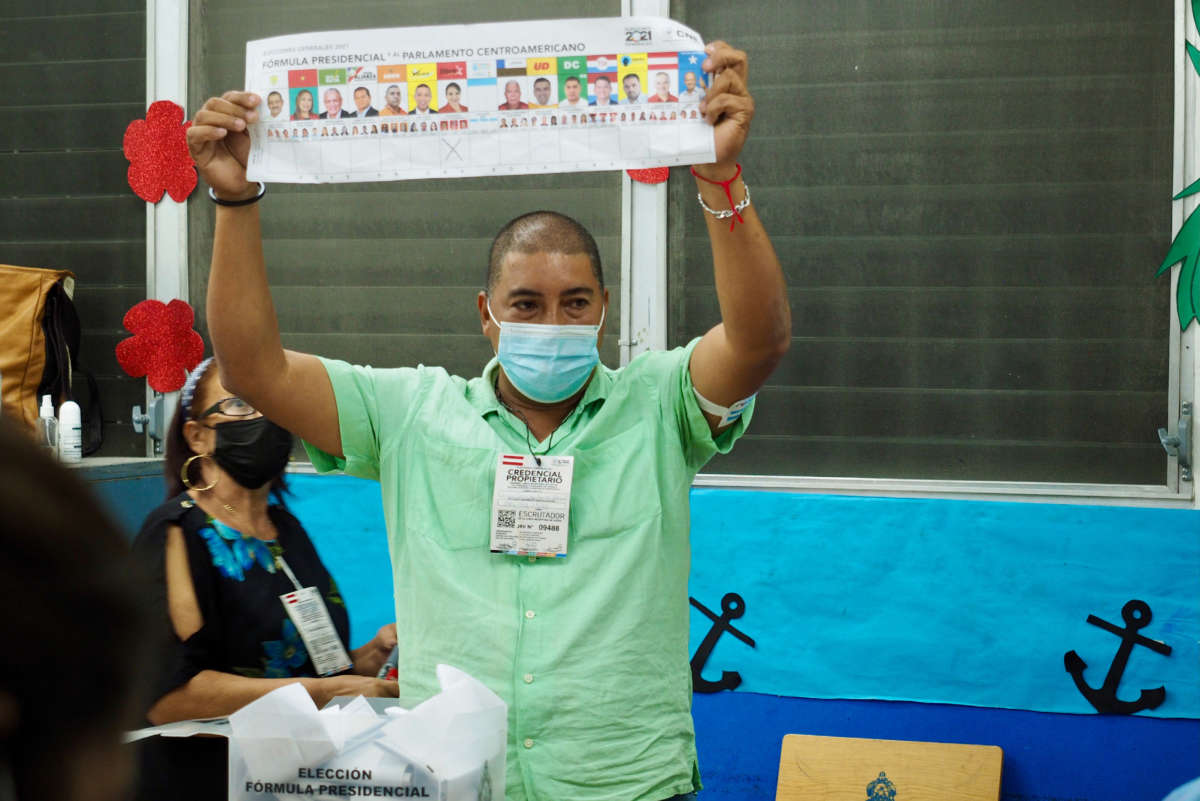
<point x="485" y="319"/>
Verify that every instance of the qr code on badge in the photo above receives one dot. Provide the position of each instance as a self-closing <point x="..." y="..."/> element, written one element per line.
<point x="506" y="518"/>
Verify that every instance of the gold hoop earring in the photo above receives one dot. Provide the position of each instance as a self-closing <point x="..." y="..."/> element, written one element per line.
<point x="183" y="474"/>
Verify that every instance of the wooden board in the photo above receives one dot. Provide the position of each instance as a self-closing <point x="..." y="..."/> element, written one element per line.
<point x="844" y="769"/>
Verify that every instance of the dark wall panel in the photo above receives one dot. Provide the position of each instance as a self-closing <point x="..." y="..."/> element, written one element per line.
<point x="75" y="76"/>
<point x="970" y="199"/>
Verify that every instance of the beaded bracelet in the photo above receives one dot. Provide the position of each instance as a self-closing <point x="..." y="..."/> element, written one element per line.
<point x="734" y="210"/>
<point x="262" y="190"/>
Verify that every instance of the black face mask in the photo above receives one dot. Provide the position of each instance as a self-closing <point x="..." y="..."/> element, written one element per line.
<point x="252" y="452"/>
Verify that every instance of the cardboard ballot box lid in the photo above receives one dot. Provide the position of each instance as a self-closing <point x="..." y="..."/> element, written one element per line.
<point x="219" y="727"/>
<point x="380" y="705"/>
<point x="852" y="769"/>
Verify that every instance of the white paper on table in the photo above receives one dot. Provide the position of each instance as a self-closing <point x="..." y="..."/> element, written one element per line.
<point x="181" y="728"/>
<point x="484" y="62"/>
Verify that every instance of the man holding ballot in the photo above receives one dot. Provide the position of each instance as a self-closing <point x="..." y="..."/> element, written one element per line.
<point x="581" y="470"/>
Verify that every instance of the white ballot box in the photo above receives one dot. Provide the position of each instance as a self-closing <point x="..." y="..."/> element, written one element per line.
<point x="450" y="748"/>
<point x="282" y="748"/>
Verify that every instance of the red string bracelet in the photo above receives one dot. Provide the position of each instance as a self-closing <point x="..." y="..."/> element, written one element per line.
<point x="735" y="209"/>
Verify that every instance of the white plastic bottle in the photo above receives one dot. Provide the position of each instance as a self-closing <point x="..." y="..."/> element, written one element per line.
<point x="70" y="432"/>
<point x="48" y="427"/>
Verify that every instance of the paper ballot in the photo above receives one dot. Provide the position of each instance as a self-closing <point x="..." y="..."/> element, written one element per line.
<point x="505" y="98"/>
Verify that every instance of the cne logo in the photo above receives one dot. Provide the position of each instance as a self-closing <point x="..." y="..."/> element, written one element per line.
<point x="881" y="789"/>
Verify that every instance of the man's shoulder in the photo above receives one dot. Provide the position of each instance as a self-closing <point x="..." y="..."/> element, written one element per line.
<point x="423" y="373"/>
<point x="652" y="365"/>
<point x="426" y="386"/>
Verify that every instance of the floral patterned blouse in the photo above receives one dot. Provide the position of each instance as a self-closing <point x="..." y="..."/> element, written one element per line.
<point x="246" y="630"/>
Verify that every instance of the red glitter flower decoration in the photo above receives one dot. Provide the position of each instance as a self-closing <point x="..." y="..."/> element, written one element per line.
<point x="158" y="154"/>
<point x="654" y="175"/>
<point x="163" y="346"/>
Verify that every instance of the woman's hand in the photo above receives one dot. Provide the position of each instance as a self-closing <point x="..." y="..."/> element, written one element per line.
<point x="728" y="106"/>
<point x="219" y="144"/>
<point x="211" y="693"/>
<point x="370" y="657"/>
<point x="324" y="690"/>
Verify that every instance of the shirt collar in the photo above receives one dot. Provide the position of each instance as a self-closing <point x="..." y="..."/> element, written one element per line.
<point x="483" y="395"/>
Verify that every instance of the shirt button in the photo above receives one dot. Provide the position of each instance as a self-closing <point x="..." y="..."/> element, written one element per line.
<point x="528" y="742"/>
<point x="529" y="613"/>
<point x="528" y="678"/>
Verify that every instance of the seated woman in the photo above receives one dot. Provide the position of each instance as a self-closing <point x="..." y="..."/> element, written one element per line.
<point x="224" y="549"/>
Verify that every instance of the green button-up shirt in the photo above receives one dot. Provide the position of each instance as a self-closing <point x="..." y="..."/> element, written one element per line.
<point x="589" y="651"/>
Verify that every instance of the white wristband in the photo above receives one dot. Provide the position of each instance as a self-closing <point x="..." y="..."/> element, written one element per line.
<point x="727" y="414"/>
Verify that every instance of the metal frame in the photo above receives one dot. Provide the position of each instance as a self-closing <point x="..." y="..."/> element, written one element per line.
<point x="643" y="244"/>
<point x="644" y="283"/>
<point x="166" y="221"/>
<point x="1012" y="491"/>
<point x="1184" y="361"/>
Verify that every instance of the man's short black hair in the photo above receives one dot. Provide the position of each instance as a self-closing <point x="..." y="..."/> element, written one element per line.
<point x="542" y="232"/>
<point x="570" y="78"/>
<point x="542" y="80"/>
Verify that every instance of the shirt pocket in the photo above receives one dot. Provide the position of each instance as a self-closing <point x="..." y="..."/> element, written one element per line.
<point x="616" y="484"/>
<point x="448" y="493"/>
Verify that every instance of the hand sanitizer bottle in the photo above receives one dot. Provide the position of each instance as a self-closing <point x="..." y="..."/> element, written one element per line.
<point x="70" y="432"/>
<point x="48" y="427"/>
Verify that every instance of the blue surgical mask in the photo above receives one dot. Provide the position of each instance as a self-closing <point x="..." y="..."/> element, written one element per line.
<point x="547" y="363"/>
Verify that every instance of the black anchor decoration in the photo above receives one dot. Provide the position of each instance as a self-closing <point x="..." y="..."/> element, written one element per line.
<point x="1136" y="615"/>
<point x="732" y="607"/>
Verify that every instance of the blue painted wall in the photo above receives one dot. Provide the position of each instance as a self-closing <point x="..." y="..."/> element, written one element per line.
<point x="950" y="602"/>
<point x="129" y="498"/>
<point x="962" y="602"/>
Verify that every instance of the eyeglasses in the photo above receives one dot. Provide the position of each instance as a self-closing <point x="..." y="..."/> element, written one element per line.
<point x="231" y="407"/>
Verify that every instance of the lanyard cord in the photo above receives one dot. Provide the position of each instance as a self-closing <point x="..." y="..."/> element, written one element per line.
<point x="516" y="413"/>
<point x="284" y="566"/>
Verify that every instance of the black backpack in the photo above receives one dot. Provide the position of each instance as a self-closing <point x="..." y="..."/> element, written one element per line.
<point x="60" y="325"/>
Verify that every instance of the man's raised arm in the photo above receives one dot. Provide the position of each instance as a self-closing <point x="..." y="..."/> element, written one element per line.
<point x="290" y="388"/>
<point x="735" y="357"/>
